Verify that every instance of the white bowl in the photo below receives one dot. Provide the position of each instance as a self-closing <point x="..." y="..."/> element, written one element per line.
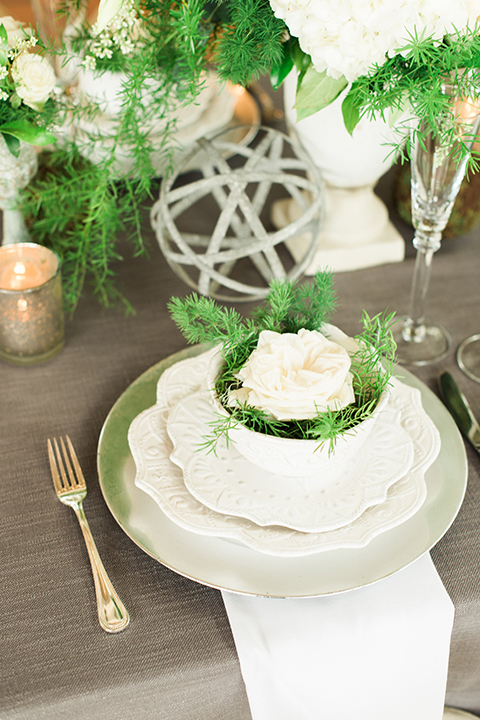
<point x="288" y="456"/>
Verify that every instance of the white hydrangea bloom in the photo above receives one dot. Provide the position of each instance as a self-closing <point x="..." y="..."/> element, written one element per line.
<point x="346" y="38"/>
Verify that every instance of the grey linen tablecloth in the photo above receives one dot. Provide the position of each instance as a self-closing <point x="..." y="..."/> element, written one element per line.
<point x="177" y="659"/>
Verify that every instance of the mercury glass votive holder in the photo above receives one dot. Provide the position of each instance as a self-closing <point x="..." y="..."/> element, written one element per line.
<point x="31" y="312"/>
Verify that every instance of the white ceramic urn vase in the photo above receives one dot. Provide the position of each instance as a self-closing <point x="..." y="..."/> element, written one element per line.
<point x="356" y="231"/>
<point x="15" y="174"/>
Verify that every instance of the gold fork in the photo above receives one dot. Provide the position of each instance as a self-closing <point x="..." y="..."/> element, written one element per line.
<point x="71" y="490"/>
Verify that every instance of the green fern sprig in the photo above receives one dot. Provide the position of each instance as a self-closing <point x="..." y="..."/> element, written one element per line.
<point x="201" y="320"/>
<point x="250" y="42"/>
<point x="376" y="355"/>
<point x="414" y="78"/>
<point x="84" y="234"/>
<point x="289" y="307"/>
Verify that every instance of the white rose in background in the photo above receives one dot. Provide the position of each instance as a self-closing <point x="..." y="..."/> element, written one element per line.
<point x="15" y="30"/>
<point x="348" y="38"/>
<point x="34" y="79"/>
<point x="294" y="376"/>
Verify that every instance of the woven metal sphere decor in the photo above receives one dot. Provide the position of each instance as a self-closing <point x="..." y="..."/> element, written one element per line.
<point x="213" y="225"/>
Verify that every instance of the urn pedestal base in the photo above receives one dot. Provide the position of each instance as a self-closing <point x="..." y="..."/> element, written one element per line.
<point x="356" y="233"/>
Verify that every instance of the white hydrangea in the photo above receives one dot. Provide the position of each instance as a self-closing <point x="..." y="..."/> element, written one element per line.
<point x="346" y="38"/>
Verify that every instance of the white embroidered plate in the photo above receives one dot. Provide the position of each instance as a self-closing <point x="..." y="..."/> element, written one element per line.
<point x="227" y="482"/>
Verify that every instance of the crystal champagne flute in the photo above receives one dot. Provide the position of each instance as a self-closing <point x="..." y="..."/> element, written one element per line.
<point x="439" y="159"/>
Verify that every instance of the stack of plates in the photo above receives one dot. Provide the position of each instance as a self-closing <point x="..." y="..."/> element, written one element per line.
<point x="216" y="520"/>
<point x="222" y="494"/>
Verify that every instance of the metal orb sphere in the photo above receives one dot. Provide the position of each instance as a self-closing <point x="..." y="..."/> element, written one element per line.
<point x="214" y="224"/>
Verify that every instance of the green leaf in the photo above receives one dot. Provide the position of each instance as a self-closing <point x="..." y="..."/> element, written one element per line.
<point x="3" y="39"/>
<point x="316" y="91"/>
<point x="280" y="72"/>
<point x="301" y="60"/>
<point x="350" y="112"/>
<point x="15" y="101"/>
<point x="12" y="144"/>
<point x="28" y="133"/>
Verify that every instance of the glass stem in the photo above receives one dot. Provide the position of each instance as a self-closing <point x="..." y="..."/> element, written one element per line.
<point x="426" y="244"/>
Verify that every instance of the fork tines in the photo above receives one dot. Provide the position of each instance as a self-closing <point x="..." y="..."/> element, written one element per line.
<point x="71" y="478"/>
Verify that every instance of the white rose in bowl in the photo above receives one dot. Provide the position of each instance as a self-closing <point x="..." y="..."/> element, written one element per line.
<point x="34" y="79"/>
<point x="15" y="31"/>
<point x="297" y="375"/>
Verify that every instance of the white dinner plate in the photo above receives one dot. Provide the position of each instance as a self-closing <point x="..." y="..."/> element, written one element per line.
<point x="454" y="714"/>
<point x="163" y="480"/>
<point x="228" y="483"/>
<point x="219" y="563"/>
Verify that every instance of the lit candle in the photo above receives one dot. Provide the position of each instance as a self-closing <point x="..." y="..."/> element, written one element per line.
<point x="20" y="274"/>
<point x="31" y="316"/>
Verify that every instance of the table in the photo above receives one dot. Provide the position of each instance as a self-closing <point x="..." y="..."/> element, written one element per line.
<point x="177" y="659"/>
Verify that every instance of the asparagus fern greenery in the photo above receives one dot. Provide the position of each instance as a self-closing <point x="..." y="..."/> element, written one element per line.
<point x="289" y="307"/>
<point x="84" y="234"/>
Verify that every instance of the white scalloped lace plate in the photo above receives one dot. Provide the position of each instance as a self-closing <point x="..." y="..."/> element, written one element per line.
<point x="157" y="475"/>
<point x="228" y="483"/>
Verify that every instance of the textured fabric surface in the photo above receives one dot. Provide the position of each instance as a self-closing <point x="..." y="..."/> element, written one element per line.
<point x="177" y="659"/>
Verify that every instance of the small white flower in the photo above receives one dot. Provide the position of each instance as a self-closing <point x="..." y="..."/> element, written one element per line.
<point x="120" y="33"/>
<point x="3" y="95"/>
<point x="297" y="375"/>
<point x="34" y="79"/>
<point x="89" y="63"/>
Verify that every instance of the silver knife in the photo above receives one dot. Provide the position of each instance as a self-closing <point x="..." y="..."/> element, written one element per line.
<point x="459" y="408"/>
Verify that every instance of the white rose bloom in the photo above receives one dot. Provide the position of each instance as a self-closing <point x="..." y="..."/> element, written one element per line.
<point x="14" y="30"/>
<point x="295" y="376"/>
<point x="34" y="79"/>
<point x="348" y="38"/>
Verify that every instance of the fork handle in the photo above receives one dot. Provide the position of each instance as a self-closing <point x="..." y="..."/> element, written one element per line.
<point x="112" y="614"/>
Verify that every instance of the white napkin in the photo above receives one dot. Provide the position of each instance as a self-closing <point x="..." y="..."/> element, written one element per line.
<point x="376" y="653"/>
